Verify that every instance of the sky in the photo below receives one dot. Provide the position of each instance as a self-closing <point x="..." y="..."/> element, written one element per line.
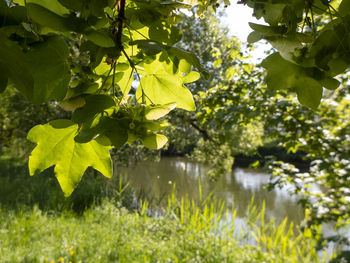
<point x="237" y="18"/>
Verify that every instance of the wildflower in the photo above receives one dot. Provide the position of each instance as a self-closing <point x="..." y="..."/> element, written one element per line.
<point x="61" y="259"/>
<point x="71" y="251"/>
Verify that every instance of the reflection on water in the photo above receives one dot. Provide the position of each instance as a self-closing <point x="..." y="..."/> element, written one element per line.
<point x="156" y="180"/>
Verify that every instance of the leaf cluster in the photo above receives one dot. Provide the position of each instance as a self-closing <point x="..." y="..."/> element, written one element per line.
<point x="113" y="64"/>
<point x="313" y="43"/>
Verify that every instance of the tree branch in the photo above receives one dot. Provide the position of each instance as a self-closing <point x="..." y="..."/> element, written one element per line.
<point x="120" y="19"/>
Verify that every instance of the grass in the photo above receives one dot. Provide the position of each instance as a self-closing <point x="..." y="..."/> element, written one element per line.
<point x="38" y="225"/>
<point x="106" y="233"/>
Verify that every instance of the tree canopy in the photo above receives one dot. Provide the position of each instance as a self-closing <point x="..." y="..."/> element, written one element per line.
<point x="116" y="66"/>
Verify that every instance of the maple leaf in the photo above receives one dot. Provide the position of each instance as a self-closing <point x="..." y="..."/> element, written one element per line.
<point x="56" y="146"/>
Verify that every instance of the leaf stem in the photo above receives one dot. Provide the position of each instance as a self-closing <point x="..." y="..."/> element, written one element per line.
<point x="137" y="31"/>
<point x="138" y="77"/>
<point x="104" y="81"/>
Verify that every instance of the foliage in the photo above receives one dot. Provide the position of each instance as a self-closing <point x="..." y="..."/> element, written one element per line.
<point x="17" y="117"/>
<point x="324" y="137"/>
<point x="200" y="133"/>
<point x="19" y="192"/>
<point x="188" y="233"/>
<point x="81" y="56"/>
<point x="321" y="135"/>
<point x="310" y="55"/>
<point x="85" y="55"/>
<point x="55" y="141"/>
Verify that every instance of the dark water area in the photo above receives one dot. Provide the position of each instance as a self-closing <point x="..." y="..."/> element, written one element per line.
<point x="156" y="180"/>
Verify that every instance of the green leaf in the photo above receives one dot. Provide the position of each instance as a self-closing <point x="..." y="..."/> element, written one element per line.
<point x="344" y="8"/>
<point x="11" y="63"/>
<point x="115" y="130"/>
<point x="47" y="62"/>
<point x="160" y="87"/>
<point x="125" y="77"/>
<point x="20" y="2"/>
<point x="152" y="48"/>
<point x="122" y="66"/>
<point x="99" y="38"/>
<point x="191" y="77"/>
<point x="158" y="111"/>
<point x="164" y="33"/>
<point x="286" y="47"/>
<point x="3" y="79"/>
<point x="52" y="5"/>
<point x="190" y="58"/>
<point x="165" y="88"/>
<point x="268" y="30"/>
<point x="149" y="47"/>
<point x="86" y="135"/>
<point x="11" y="16"/>
<point x="94" y="105"/>
<point x="330" y="83"/>
<point x="184" y="66"/>
<point x="285" y="75"/>
<point x="154" y="141"/>
<point x="155" y="125"/>
<point x="254" y="37"/>
<point x="72" y="103"/>
<point x="86" y="7"/>
<point x="48" y="18"/>
<point x="309" y="92"/>
<point x="56" y="146"/>
<point x="103" y="68"/>
<point x="272" y="13"/>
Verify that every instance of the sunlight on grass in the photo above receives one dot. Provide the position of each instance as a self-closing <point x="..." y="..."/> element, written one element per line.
<point x="188" y="232"/>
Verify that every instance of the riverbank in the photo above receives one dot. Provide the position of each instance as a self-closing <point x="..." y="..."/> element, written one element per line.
<point x="108" y="233"/>
<point x="262" y="155"/>
<point x="101" y="222"/>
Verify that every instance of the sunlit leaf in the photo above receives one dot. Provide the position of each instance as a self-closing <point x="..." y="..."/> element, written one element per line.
<point x="73" y="103"/>
<point x="191" y="77"/>
<point x="125" y="78"/>
<point x="56" y="147"/>
<point x="158" y="111"/>
<point x="154" y="141"/>
<point x="162" y="88"/>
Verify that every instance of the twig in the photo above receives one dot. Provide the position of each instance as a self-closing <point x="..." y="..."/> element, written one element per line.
<point x="120" y="19"/>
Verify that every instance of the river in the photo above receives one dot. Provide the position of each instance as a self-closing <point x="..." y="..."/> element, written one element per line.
<point x="156" y="180"/>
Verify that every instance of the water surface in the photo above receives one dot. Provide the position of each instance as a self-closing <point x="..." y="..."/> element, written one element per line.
<point x="157" y="179"/>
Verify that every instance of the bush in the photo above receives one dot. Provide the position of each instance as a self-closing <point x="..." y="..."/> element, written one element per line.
<point x="18" y="190"/>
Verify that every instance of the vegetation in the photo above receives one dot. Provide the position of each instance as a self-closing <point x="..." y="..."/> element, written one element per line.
<point x="19" y="191"/>
<point x="117" y="70"/>
<point x="188" y="234"/>
<point x="86" y="54"/>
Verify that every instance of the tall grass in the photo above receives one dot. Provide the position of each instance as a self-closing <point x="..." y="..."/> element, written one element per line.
<point x="42" y="226"/>
<point x="108" y="234"/>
